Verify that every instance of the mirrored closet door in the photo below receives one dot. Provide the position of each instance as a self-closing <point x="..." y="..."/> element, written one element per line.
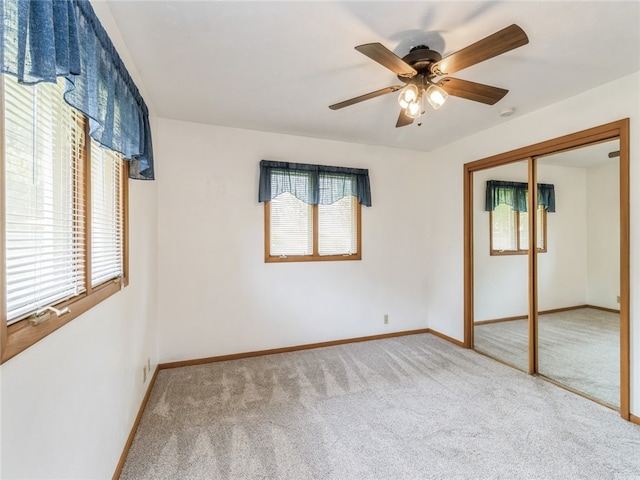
<point x="501" y="306"/>
<point x="579" y="275"/>
<point x="547" y="273"/>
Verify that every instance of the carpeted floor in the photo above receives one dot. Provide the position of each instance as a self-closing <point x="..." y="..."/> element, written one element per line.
<point x="578" y="348"/>
<point x="413" y="407"/>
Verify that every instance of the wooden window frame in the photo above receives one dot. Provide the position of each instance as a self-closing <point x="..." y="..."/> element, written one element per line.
<point x="315" y="256"/>
<point x="19" y="336"/>
<point x="519" y="250"/>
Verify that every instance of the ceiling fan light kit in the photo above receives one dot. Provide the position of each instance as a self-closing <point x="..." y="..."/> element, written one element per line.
<point x="411" y="99"/>
<point x="408" y="95"/>
<point x="436" y="96"/>
<point x="420" y="67"/>
<point x="416" y="108"/>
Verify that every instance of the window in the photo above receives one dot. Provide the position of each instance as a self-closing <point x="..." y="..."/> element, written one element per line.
<point x="510" y="230"/>
<point x="64" y="203"/>
<point x="291" y="235"/>
<point x="312" y="212"/>
<point x="507" y="204"/>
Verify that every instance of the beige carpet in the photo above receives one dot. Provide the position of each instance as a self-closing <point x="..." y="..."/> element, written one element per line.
<point x="578" y="348"/>
<point x="412" y="407"/>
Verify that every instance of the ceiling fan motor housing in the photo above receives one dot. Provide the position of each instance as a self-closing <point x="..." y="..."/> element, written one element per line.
<point x="420" y="58"/>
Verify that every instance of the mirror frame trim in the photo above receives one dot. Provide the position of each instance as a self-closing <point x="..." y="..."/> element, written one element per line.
<point x="609" y="131"/>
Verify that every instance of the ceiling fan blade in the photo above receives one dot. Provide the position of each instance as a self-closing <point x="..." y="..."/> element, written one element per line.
<point x="366" y="96"/>
<point x="478" y="92"/>
<point x="385" y="57"/>
<point x="403" y="119"/>
<point x="614" y="154"/>
<point x="500" y="42"/>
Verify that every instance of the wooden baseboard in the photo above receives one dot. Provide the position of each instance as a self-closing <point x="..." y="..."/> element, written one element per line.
<point x="546" y="312"/>
<point x="499" y="320"/>
<point x="273" y="351"/>
<point x="563" y="309"/>
<point x="604" y="309"/>
<point x="445" y="337"/>
<point x="634" y="419"/>
<point x="134" y="428"/>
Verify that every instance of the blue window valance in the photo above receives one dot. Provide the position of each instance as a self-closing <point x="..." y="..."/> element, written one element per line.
<point x="46" y="39"/>
<point x="313" y="184"/>
<point x="515" y="195"/>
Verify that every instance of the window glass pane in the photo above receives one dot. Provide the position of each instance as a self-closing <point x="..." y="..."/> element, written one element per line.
<point x="524" y="229"/>
<point x="504" y="228"/>
<point x="337" y="227"/>
<point x="291" y="226"/>
<point x="44" y="222"/>
<point x="106" y="215"/>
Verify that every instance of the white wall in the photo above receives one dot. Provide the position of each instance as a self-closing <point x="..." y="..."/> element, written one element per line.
<point x="562" y="270"/>
<point x="68" y="402"/>
<point x="603" y="206"/>
<point x="501" y="281"/>
<point x="444" y="182"/>
<point x="217" y="295"/>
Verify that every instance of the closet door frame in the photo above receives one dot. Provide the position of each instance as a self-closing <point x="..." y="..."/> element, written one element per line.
<point x="610" y="131"/>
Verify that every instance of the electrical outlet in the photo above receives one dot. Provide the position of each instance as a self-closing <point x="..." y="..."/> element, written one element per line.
<point x="386" y="319"/>
<point x="618" y="298"/>
<point x="144" y="374"/>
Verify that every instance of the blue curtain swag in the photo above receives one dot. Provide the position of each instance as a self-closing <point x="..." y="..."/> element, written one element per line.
<point x="46" y="39"/>
<point x="515" y="194"/>
<point x="313" y="184"/>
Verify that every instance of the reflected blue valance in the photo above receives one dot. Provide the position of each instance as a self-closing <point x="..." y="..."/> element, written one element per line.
<point x="45" y="39"/>
<point x="313" y="184"/>
<point x="547" y="196"/>
<point x="515" y="194"/>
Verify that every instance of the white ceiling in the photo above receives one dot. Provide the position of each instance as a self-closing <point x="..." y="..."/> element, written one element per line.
<point x="277" y="66"/>
<point x="584" y="157"/>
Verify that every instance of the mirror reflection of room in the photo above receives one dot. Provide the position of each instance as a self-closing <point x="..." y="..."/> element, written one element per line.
<point x="579" y="275"/>
<point x="578" y="268"/>
<point x="501" y="264"/>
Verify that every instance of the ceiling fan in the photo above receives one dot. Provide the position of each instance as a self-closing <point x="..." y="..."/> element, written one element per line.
<point x="420" y="68"/>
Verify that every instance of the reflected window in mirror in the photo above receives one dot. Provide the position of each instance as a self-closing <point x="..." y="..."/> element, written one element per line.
<point x="509" y="230"/>
<point x="507" y="203"/>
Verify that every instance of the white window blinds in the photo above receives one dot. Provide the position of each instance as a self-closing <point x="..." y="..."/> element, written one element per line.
<point x="524" y="229"/>
<point x="291" y="226"/>
<point x="106" y="215"/>
<point x="53" y="198"/>
<point x="510" y="229"/>
<point x="292" y="220"/>
<point x="45" y="253"/>
<point x="504" y="227"/>
<point x="337" y="227"/>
